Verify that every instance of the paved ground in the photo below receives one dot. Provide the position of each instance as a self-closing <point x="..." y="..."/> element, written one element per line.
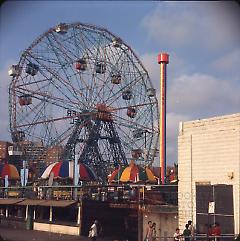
<point x="10" y="234"/>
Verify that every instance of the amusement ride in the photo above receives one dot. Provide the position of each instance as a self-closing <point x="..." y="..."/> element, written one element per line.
<point x="83" y="88"/>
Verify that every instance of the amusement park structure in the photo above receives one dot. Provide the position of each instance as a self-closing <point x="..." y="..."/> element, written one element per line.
<point x="163" y="60"/>
<point x="81" y="88"/>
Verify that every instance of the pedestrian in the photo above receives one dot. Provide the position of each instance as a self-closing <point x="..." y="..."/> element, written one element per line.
<point x="93" y="232"/>
<point x="210" y="232"/>
<point x="191" y="228"/>
<point x="216" y="231"/>
<point x="177" y="235"/>
<point x="187" y="233"/>
<point x="154" y="232"/>
<point x="148" y="236"/>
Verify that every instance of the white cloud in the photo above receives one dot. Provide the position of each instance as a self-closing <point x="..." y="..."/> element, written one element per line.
<point x="228" y="65"/>
<point x="200" y="93"/>
<point x="177" y="66"/>
<point x="173" y="120"/>
<point x="197" y="94"/>
<point x="195" y="25"/>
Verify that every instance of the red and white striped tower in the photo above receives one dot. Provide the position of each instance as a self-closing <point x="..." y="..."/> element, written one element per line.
<point x="163" y="61"/>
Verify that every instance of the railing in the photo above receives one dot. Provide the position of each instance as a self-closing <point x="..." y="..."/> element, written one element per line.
<point x="108" y="193"/>
<point x="227" y="237"/>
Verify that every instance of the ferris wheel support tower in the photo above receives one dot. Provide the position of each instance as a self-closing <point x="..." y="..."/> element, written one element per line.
<point x="163" y="60"/>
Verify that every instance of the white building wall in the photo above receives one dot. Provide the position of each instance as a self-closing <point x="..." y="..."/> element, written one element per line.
<point x="166" y="224"/>
<point x="208" y="152"/>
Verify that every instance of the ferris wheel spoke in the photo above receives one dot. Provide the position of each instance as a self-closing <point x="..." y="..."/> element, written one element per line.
<point x="50" y="98"/>
<point x="127" y="123"/>
<point x="32" y="110"/>
<point x="117" y="95"/>
<point x="32" y="83"/>
<point x="62" y="50"/>
<point x="66" y="84"/>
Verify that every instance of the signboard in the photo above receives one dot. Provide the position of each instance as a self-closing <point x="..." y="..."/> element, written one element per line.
<point x="211" y="207"/>
<point x="75" y="116"/>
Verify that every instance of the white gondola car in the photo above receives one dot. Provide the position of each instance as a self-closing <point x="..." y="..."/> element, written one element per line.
<point x="32" y="69"/>
<point x="151" y="92"/>
<point x="100" y="68"/>
<point x="127" y="95"/>
<point x="117" y="42"/>
<point x="61" y="28"/>
<point x="14" y="70"/>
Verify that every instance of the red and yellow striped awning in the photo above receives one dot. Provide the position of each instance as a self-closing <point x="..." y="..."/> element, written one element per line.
<point x="10" y="170"/>
<point x="132" y="173"/>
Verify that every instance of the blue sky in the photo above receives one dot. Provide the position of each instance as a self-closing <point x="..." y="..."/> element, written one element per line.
<point x="202" y="38"/>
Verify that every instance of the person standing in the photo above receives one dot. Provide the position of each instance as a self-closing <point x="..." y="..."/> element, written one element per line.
<point x="148" y="236"/>
<point x="209" y="231"/>
<point x="187" y="233"/>
<point x="93" y="232"/>
<point x="191" y="228"/>
<point x="216" y="231"/>
<point x="177" y="235"/>
<point x="154" y="232"/>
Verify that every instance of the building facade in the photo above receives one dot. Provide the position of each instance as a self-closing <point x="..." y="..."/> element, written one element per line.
<point x="209" y="173"/>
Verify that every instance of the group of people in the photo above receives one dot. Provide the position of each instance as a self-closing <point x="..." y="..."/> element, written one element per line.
<point x="213" y="232"/>
<point x="151" y="232"/>
<point x="188" y="232"/>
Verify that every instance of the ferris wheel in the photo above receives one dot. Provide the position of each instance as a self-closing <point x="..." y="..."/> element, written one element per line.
<point x="81" y="87"/>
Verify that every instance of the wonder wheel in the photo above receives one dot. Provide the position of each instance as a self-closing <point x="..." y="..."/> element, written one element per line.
<point x="81" y="88"/>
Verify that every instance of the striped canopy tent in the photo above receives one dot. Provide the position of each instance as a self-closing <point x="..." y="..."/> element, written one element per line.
<point x="64" y="169"/>
<point x="133" y="173"/>
<point x="10" y="170"/>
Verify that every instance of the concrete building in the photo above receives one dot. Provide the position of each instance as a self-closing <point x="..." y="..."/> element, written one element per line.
<point x="209" y="173"/>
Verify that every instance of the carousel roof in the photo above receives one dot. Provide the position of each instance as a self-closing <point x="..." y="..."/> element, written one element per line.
<point x="132" y="173"/>
<point x="64" y="169"/>
<point x="10" y="170"/>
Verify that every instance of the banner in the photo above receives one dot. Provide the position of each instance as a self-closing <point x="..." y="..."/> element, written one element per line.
<point x="76" y="171"/>
<point x="24" y="176"/>
<point x="6" y="181"/>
